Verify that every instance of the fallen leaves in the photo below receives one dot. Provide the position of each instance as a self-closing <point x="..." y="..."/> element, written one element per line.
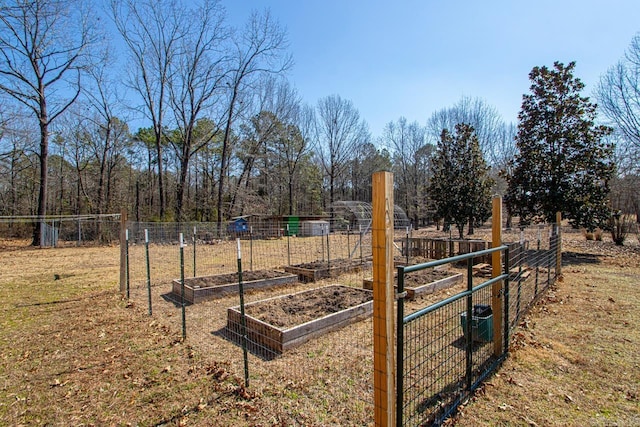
<point x="57" y="383"/>
<point x="514" y="382"/>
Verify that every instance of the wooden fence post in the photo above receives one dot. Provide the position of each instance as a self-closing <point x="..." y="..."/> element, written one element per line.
<point x="123" y="251"/>
<point x="383" y="300"/>
<point x="497" y="288"/>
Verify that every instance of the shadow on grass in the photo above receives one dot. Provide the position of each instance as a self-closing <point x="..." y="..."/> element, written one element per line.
<point x="461" y="344"/>
<point x="253" y="347"/>
<point x="576" y="258"/>
<point x="174" y="299"/>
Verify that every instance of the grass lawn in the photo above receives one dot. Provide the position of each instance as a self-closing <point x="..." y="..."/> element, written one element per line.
<point x="74" y="352"/>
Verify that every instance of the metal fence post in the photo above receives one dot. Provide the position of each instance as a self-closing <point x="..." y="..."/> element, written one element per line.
<point x="328" y="250"/>
<point x="469" y="325"/>
<point x="535" y="291"/>
<point x="559" y="246"/>
<point x="549" y="256"/>
<point x="194" y="251"/>
<point x="322" y="242"/>
<point x="184" y="314"/>
<point x="360" y="231"/>
<point x="407" y="246"/>
<point x="126" y="245"/>
<point x="288" y="246"/>
<point x="123" y="253"/>
<point x="506" y="302"/>
<point x="243" y="321"/>
<point x="146" y="248"/>
<point x="400" y="348"/>
<point x="251" y="248"/>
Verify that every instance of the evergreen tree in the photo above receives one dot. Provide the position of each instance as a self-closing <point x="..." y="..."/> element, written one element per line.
<point x="563" y="163"/>
<point x="461" y="186"/>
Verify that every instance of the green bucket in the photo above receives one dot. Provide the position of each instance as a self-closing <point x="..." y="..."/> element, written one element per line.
<point x="481" y="324"/>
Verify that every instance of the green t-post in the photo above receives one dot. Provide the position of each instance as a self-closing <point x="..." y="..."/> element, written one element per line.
<point x="243" y="321"/>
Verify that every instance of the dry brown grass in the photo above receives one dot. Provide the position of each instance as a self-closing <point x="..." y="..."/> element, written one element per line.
<point x="575" y="360"/>
<point x="73" y="352"/>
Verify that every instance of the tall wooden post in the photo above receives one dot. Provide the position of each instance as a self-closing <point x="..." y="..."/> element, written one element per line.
<point x="496" y="264"/>
<point x="383" y="299"/>
<point x="123" y="251"/>
<point x="559" y="246"/>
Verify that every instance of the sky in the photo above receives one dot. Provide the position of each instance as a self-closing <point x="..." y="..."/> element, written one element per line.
<point x="413" y="57"/>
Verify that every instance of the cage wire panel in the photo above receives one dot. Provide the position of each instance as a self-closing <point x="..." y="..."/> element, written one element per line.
<point x="357" y="215"/>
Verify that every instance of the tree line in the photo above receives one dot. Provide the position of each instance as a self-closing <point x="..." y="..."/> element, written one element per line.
<point x="229" y="135"/>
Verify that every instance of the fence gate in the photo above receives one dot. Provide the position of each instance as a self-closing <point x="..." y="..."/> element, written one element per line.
<point x="444" y="351"/>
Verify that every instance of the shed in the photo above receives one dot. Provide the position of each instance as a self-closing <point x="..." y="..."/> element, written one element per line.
<point x="238" y="224"/>
<point x="314" y="228"/>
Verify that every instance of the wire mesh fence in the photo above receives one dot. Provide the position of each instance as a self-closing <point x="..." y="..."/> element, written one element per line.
<point x="196" y="288"/>
<point x="447" y="348"/>
<point x="275" y="268"/>
<point x="63" y="230"/>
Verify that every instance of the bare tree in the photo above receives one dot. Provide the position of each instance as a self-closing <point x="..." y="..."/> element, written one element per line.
<point x="504" y="150"/>
<point x="269" y="140"/>
<point x="43" y="47"/>
<point x="107" y="134"/>
<point x="624" y="195"/>
<point x="618" y="94"/>
<point x="411" y="164"/>
<point x="258" y="50"/>
<point x="339" y="131"/>
<point x="18" y="166"/>
<point x="196" y="85"/>
<point x="475" y="112"/>
<point x="293" y="148"/>
<point x="152" y="31"/>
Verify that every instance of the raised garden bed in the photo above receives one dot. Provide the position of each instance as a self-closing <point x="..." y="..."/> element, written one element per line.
<point x="198" y="289"/>
<point x="287" y="321"/>
<point x="317" y="270"/>
<point x="423" y="282"/>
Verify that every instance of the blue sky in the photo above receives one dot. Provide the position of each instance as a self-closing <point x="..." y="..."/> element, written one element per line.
<point x="410" y="58"/>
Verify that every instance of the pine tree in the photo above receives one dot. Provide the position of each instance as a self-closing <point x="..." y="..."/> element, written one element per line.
<point x="563" y="164"/>
<point x="461" y="186"/>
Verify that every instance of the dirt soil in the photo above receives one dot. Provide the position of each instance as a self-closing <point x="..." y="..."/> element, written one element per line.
<point x="299" y="308"/>
<point x="225" y="279"/>
<point x="323" y="265"/>
<point x="424" y="277"/>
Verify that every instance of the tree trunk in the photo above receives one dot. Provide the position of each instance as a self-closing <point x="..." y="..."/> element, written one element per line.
<point x="184" y="165"/>
<point x="44" y="157"/>
<point x="290" y="196"/>
<point x="137" y="200"/>
<point x="223" y="157"/>
<point x="160" y="174"/>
